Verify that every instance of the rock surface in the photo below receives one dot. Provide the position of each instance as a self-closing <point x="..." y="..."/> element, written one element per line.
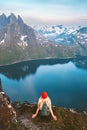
<point x="66" y="119"/>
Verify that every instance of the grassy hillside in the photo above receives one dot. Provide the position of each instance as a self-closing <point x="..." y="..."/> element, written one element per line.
<point x="15" y="53"/>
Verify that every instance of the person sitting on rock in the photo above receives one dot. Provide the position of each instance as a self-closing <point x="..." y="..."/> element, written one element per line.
<point x="44" y="102"/>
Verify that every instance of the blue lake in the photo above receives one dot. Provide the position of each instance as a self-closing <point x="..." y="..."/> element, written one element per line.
<point x="64" y="80"/>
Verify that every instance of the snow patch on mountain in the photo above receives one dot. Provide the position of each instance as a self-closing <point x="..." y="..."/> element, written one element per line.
<point x="23" y="37"/>
<point x="1" y="42"/>
<point x="23" y="43"/>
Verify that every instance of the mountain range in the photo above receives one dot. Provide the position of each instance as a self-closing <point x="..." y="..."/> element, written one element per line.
<point x="64" y="35"/>
<point x="19" y="42"/>
<point x="73" y="37"/>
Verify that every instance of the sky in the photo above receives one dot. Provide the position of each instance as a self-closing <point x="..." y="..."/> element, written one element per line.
<point x="67" y="12"/>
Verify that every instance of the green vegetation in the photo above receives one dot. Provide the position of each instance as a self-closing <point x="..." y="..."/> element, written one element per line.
<point x="14" y="53"/>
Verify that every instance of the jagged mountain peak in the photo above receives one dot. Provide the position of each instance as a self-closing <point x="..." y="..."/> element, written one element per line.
<point x="3" y="16"/>
<point x="12" y="18"/>
<point x="12" y="14"/>
<point x="14" y="31"/>
<point x="19" y="18"/>
<point x="3" y="21"/>
<point x="15" y="18"/>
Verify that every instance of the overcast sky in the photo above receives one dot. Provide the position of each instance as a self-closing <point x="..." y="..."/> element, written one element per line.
<point x="47" y="11"/>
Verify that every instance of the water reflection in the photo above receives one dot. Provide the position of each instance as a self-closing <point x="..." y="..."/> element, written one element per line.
<point x="21" y="70"/>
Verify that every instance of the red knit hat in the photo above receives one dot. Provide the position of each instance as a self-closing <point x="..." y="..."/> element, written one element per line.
<point x="44" y="95"/>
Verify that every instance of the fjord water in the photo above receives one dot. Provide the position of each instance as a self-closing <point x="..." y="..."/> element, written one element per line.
<point x="64" y="80"/>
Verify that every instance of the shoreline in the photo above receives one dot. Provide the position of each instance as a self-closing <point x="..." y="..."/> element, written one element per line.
<point x="48" y="58"/>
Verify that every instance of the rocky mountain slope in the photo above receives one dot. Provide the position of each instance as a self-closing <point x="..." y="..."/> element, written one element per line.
<point x="18" y="41"/>
<point x="7" y="112"/>
<point x="14" y="31"/>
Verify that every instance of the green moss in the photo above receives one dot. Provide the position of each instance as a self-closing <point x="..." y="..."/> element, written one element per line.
<point x="13" y="125"/>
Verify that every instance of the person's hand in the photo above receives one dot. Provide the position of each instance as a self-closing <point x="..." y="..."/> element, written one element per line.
<point x="55" y="118"/>
<point x="33" y="116"/>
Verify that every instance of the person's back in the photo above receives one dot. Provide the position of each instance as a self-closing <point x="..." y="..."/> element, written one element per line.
<point x="45" y="110"/>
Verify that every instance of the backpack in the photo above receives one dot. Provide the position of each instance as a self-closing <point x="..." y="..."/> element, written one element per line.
<point x="45" y="110"/>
